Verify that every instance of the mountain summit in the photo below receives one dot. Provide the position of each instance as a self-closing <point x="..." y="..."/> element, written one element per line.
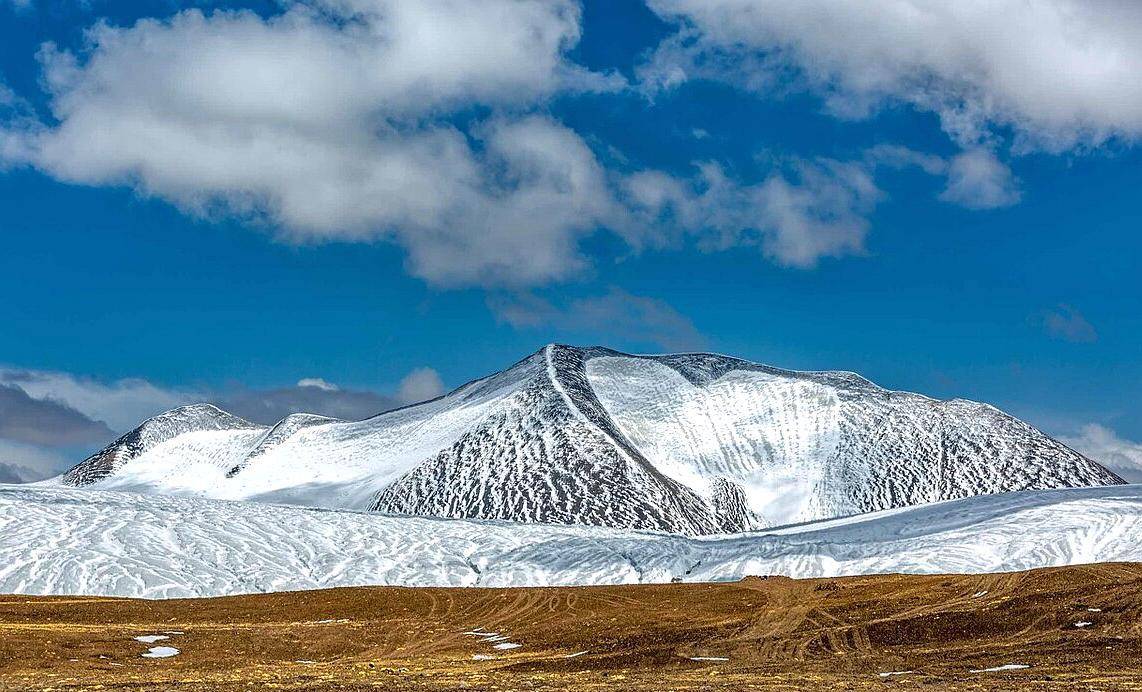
<point x="687" y="443"/>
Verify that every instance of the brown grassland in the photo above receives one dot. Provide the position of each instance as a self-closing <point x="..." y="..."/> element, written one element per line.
<point x="775" y="634"/>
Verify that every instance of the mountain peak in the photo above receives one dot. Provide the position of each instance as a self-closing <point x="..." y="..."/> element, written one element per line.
<point x="687" y="443"/>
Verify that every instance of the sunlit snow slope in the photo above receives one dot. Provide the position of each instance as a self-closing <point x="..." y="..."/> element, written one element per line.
<point x="68" y="541"/>
<point x="693" y="443"/>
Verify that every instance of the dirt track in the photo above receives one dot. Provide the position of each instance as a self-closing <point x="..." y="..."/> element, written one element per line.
<point x="776" y="633"/>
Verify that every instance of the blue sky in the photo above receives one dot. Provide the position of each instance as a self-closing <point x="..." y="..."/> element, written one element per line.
<point x="391" y="198"/>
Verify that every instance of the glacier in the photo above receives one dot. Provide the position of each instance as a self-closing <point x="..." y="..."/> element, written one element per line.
<point x="695" y="444"/>
<point x="56" y="540"/>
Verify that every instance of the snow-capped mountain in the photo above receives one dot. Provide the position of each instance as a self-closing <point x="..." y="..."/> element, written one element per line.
<point x="69" y="541"/>
<point x="692" y="443"/>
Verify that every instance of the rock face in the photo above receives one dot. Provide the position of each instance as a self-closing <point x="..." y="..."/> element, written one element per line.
<point x="689" y="443"/>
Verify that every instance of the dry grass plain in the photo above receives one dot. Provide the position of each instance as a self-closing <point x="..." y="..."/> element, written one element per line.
<point x="768" y="634"/>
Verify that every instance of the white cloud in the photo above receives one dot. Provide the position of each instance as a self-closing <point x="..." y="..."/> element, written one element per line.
<point x="318" y="383"/>
<point x="421" y="384"/>
<point x="120" y="404"/>
<point x="1102" y="444"/>
<point x="1066" y="323"/>
<point x="978" y="180"/>
<point x="334" y="121"/>
<point x="897" y="156"/>
<point x="1060" y="73"/>
<point x="819" y="210"/>
<point x="350" y="120"/>
<point x="975" y="178"/>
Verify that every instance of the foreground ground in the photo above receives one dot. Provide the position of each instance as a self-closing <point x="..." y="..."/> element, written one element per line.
<point x="1073" y="628"/>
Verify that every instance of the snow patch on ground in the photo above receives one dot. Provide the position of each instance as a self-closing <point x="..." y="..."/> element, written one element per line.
<point x="85" y="542"/>
<point x="999" y="669"/>
<point x="161" y="652"/>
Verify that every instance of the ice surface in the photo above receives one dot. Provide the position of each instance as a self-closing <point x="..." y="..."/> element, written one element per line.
<point x="161" y="652"/>
<point x="693" y="443"/>
<point x="70" y="541"/>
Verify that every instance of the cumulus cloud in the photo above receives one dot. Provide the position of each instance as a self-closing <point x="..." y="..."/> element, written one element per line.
<point x="1102" y="444"/>
<point x="120" y="404"/>
<point x="978" y="180"/>
<point x="615" y="314"/>
<point x="45" y="421"/>
<point x="1066" y="323"/>
<point x="419" y="385"/>
<point x="975" y="178"/>
<point x="407" y="121"/>
<point x="818" y="210"/>
<point x="333" y="121"/>
<point x="1059" y="73"/>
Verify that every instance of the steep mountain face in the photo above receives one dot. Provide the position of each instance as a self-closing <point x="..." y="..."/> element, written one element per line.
<point x="693" y="443"/>
<point x="151" y="434"/>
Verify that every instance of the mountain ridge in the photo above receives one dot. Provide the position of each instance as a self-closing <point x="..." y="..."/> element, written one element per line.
<point x="689" y="443"/>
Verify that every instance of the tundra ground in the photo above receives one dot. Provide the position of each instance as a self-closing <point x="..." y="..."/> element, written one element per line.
<point x="1075" y="628"/>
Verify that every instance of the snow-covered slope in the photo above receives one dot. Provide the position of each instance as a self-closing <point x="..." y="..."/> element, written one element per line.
<point x="693" y="443"/>
<point x="68" y="541"/>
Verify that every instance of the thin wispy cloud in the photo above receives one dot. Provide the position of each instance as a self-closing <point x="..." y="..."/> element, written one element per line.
<point x="613" y="315"/>
<point x="1068" y="324"/>
<point x="1105" y="446"/>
